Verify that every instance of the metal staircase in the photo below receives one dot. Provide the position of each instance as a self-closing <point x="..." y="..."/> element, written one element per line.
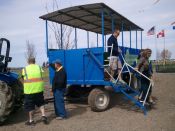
<point x="123" y="88"/>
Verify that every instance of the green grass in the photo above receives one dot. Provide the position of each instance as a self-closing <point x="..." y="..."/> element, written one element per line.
<point x="46" y="72"/>
<point x="169" y="67"/>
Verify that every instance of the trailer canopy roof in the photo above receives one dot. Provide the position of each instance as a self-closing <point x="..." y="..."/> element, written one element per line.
<point x="88" y="17"/>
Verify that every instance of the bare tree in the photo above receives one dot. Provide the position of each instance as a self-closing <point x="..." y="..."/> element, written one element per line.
<point x="30" y="50"/>
<point x="56" y="29"/>
<point x="166" y="54"/>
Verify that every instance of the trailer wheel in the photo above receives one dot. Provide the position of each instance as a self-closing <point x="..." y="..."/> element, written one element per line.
<point x="99" y="100"/>
<point x="6" y="101"/>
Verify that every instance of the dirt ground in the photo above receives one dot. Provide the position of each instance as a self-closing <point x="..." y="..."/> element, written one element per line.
<point x="122" y="116"/>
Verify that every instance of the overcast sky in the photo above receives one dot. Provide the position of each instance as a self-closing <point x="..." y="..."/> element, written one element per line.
<point x="19" y="21"/>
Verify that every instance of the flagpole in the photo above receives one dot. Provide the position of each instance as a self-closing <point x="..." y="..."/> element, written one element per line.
<point x="164" y="49"/>
<point x="155" y="42"/>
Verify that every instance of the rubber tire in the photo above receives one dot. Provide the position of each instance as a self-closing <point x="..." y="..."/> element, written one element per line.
<point x="17" y="89"/>
<point x="6" y="101"/>
<point x="93" y="96"/>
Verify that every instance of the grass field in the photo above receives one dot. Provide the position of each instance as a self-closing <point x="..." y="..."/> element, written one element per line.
<point x="168" y="67"/>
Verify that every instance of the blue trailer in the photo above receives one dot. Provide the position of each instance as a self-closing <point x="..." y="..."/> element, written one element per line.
<point x="87" y="68"/>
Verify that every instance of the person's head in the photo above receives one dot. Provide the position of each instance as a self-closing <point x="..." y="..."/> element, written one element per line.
<point x="148" y="52"/>
<point x="58" y="63"/>
<point x="31" y="60"/>
<point x="116" y="32"/>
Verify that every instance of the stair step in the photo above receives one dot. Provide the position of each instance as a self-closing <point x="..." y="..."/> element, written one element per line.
<point x="118" y="87"/>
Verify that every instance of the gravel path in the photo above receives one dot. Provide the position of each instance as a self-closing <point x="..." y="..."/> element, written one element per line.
<point x="122" y="116"/>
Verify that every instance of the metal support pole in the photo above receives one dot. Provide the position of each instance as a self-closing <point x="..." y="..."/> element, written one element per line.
<point x="130" y="37"/>
<point x="141" y="39"/>
<point x="47" y="40"/>
<point x="75" y="38"/>
<point x="164" y="51"/>
<point x="122" y="40"/>
<point x="97" y="39"/>
<point x="88" y="38"/>
<point x="102" y="25"/>
<point x="136" y="39"/>
<point x="112" y="24"/>
<point x="61" y="26"/>
<point x="105" y="43"/>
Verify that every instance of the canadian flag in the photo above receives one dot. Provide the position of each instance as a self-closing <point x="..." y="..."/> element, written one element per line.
<point x="161" y="34"/>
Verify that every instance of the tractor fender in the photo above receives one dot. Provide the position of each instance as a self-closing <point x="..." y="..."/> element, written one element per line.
<point x="9" y="77"/>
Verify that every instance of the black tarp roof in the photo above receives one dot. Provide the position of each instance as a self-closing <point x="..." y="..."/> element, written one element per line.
<point x="88" y="17"/>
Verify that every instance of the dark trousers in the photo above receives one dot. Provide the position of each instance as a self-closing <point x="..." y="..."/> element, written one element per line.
<point x="59" y="104"/>
<point x="144" y="89"/>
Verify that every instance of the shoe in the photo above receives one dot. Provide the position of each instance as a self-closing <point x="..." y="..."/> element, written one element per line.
<point x="60" y="118"/>
<point x="141" y="101"/>
<point x="28" y="123"/>
<point x="44" y="119"/>
<point x="152" y="102"/>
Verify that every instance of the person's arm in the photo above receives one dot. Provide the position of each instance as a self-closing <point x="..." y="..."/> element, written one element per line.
<point x="140" y="64"/>
<point x="151" y="67"/>
<point x="22" y="74"/>
<point x="119" y="50"/>
<point x="116" y="47"/>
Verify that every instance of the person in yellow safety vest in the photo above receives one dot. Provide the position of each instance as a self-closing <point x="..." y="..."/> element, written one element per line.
<point x="33" y="90"/>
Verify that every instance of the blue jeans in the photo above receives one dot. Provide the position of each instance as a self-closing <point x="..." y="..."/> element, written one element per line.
<point x="59" y="105"/>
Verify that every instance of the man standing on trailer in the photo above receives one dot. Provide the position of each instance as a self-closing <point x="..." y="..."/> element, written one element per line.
<point x="59" y="83"/>
<point x="115" y="63"/>
<point x="33" y="90"/>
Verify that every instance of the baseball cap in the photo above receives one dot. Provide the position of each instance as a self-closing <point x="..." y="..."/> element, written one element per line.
<point x="58" y="61"/>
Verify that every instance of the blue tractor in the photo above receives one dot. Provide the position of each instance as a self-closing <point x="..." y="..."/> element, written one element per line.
<point x="11" y="88"/>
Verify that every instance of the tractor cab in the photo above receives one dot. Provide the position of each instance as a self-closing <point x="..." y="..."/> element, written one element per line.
<point x="4" y="59"/>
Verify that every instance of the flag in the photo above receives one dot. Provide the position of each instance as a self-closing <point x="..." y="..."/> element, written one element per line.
<point x="173" y="24"/>
<point x="151" y="31"/>
<point x="161" y="34"/>
<point x="156" y="2"/>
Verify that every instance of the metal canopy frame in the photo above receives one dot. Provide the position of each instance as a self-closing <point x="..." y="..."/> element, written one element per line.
<point x="87" y="16"/>
<point x="98" y="18"/>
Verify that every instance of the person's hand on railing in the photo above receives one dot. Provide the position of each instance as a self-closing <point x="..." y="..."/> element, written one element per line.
<point x="136" y="68"/>
<point x="119" y="50"/>
<point x="152" y="82"/>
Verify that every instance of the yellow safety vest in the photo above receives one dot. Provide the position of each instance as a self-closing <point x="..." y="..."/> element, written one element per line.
<point x="33" y="81"/>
